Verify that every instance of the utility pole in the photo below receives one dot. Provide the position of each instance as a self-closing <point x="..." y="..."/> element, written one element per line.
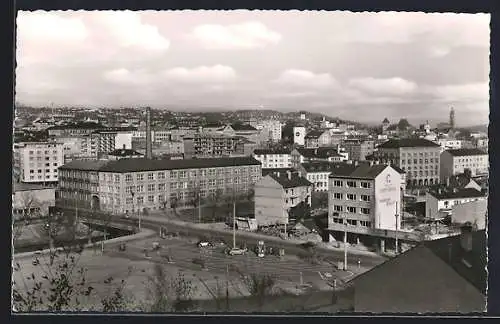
<point x="199" y="207"/>
<point x="397" y="216"/>
<point x="234" y="222"/>
<point x="345" y="242"/>
<point x="227" y="287"/>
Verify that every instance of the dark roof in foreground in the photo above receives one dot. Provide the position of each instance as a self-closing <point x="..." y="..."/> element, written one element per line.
<point x="19" y="186"/>
<point x="450" y="251"/>
<point x="243" y="127"/>
<point x="455" y="194"/>
<point x="466" y="152"/>
<point x="408" y="142"/>
<point x="292" y="182"/>
<point x="319" y="153"/>
<point x="124" y="152"/>
<point x="140" y="165"/>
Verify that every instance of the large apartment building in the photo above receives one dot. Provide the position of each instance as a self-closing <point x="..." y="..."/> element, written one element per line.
<point x="215" y="145"/>
<point x="273" y="158"/>
<point x="419" y="158"/>
<point x="364" y="197"/>
<point x="127" y="185"/>
<point x="358" y="149"/>
<point x="37" y="162"/>
<point x="273" y="127"/>
<point x="454" y="162"/>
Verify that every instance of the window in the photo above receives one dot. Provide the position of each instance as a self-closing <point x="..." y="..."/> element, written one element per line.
<point x="173" y="175"/>
<point x="140" y="200"/>
<point x="337" y="195"/>
<point x="182" y="174"/>
<point x="151" y="199"/>
<point x="220" y="182"/>
<point x="140" y="177"/>
<point x="338" y="183"/>
<point x="415" y="161"/>
<point x="211" y="172"/>
<point x="351" y="209"/>
<point x="161" y="175"/>
<point x="351" y="197"/>
<point x="211" y="182"/>
<point x="128" y="177"/>
<point x="352" y="222"/>
<point x="161" y="187"/>
<point x="365" y="185"/>
<point x="365" y="198"/>
<point x="193" y="173"/>
<point x="351" y="184"/>
<point x="203" y="183"/>
<point x="55" y="170"/>
<point x="151" y="187"/>
<point x="128" y="201"/>
<point x="337" y="208"/>
<point x="128" y="189"/>
<point x="365" y="211"/>
<point x="173" y="196"/>
<point x="365" y="223"/>
<point x="140" y="188"/>
<point x="151" y="176"/>
<point x="173" y="185"/>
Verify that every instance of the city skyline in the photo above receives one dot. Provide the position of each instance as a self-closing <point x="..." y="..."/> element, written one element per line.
<point x="354" y="66"/>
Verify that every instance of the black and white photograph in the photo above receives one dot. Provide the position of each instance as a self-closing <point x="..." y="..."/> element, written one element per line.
<point x="250" y="161"/>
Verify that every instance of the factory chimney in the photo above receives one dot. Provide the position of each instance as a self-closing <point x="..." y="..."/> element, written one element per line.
<point x="149" y="148"/>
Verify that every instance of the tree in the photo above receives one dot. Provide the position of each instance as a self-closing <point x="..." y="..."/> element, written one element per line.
<point x="174" y="202"/>
<point x="215" y="199"/>
<point x="195" y="201"/>
<point x="259" y="287"/>
<point x="403" y="124"/>
<point x="319" y="199"/>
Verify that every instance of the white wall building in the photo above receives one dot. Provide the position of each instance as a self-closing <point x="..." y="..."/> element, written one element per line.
<point x="37" y="162"/>
<point x="453" y="162"/>
<point x="299" y="135"/>
<point x="439" y="204"/>
<point x="449" y="144"/>
<point x="274" y="127"/>
<point x="272" y="159"/>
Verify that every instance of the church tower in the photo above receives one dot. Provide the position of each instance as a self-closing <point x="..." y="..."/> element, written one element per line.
<point x="452" y="118"/>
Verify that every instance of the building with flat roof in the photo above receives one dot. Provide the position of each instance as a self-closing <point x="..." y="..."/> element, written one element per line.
<point x="37" y="162"/>
<point x="127" y="185"/>
<point x="439" y="203"/>
<point x="318" y="138"/>
<point x="419" y="158"/>
<point x="32" y="200"/>
<point x="454" y="162"/>
<point x="327" y="154"/>
<point x="358" y="149"/>
<point x="273" y="158"/>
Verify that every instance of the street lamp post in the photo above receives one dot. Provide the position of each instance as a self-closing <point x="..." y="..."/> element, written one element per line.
<point x="345" y="241"/>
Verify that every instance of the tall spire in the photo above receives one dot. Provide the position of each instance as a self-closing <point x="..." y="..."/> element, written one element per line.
<point x="452" y="118"/>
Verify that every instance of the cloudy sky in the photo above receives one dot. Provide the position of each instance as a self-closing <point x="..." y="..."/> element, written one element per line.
<point x="362" y="66"/>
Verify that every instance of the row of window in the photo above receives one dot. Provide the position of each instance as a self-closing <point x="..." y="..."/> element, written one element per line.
<point x="352" y="222"/>
<point x="351" y="184"/>
<point x="39" y="158"/>
<point x="338" y="195"/>
<point x="419" y="161"/>
<point x="414" y="154"/>
<point x="44" y="152"/>
<point x="41" y="170"/>
<point x="351" y="209"/>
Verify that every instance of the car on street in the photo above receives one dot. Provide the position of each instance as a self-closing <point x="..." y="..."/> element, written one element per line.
<point x="237" y="251"/>
<point x="203" y="244"/>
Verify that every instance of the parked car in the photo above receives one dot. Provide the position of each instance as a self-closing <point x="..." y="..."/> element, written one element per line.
<point x="202" y="244"/>
<point x="237" y="251"/>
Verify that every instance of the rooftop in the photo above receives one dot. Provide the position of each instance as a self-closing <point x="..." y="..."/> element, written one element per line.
<point x="458" y="193"/>
<point x="140" y="165"/>
<point x="243" y="127"/>
<point x="361" y="171"/>
<point x="320" y="152"/>
<point x="315" y="133"/>
<point x="124" y="152"/>
<point x="19" y="186"/>
<point x="294" y="181"/>
<point x="271" y="151"/>
<point x="408" y="142"/>
<point x="276" y="170"/>
<point x="82" y="125"/>
<point x="466" y="152"/>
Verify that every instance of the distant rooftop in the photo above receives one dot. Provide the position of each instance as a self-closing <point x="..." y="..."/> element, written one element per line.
<point x="360" y="171"/>
<point x="457" y="193"/>
<point x="125" y="152"/>
<point x="320" y="152"/>
<point x="466" y="152"/>
<point x="19" y="186"/>
<point x="294" y="181"/>
<point x="243" y="127"/>
<point x="408" y="142"/>
<point x="139" y="165"/>
<point x="271" y="151"/>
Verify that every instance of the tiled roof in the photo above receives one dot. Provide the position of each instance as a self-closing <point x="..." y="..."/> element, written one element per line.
<point x="315" y="133"/>
<point x="320" y="152"/>
<point x="271" y="151"/>
<point x="325" y="166"/>
<point x="466" y="152"/>
<point x="276" y="170"/>
<point x="84" y="125"/>
<point x="455" y="194"/>
<point x="361" y="171"/>
<point x="243" y="127"/>
<point x="408" y="142"/>
<point x="139" y="165"/>
<point x="124" y="152"/>
<point x="293" y="182"/>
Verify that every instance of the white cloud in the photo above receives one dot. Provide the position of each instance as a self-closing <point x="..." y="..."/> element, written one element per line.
<point x="45" y="26"/>
<point x="390" y="86"/>
<point x="464" y="92"/>
<point x="209" y="74"/>
<point x="306" y="79"/>
<point x="238" y="36"/>
<point x="127" y="29"/>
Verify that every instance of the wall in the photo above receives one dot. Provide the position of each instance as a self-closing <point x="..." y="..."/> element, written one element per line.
<point x="37" y="198"/>
<point x="269" y="203"/>
<point x="299" y="134"/>
<point x="387" y="196"/>
<point x="417" y="282"/>
<point x="446" y="163"/>
<point x="123" y="140"/>
<point x="431" y="206"/>
<point x="473" y="211"/>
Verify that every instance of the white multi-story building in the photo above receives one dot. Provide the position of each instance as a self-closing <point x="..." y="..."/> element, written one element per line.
<point x="37" y="162"/>
<point x="270" y="158"/>
<point x="439" y="204"/>
<point x="274" y="127"/>
<point x="449" y="144"/>
<point x="366" y="198"/>
<point x="299" y="135"/>
<point x="454" y="162"/>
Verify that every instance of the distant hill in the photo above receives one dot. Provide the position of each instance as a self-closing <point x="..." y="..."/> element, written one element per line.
<point x="477" y="128"/>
